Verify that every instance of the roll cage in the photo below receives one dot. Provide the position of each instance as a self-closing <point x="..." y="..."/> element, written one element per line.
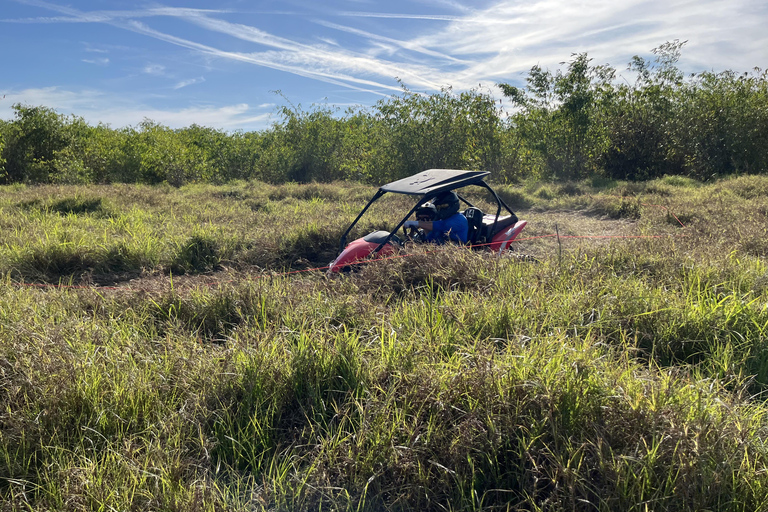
<point x="428" y="185"/>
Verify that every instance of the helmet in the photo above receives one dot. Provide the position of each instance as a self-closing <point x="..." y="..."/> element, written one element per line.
<point x="446" y="204"/>
<point x="427" y="210"/>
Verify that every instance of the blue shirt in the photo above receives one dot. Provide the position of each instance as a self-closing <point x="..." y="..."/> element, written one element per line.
<point x="455" y="229"/>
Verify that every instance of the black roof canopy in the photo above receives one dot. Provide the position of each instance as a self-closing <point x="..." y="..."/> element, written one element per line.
<point x="434" y="181"/>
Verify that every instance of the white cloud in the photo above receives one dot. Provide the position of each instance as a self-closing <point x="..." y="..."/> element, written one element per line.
<point x="457" y="6"/>
<point x="510" y="37"/>
<point x="339" y="66"/>
<point x="434" y="17"/>
<point x="295" y="62"/>
<point x="495" y="44"/>
<point x="98" y="62"/>
<point x="75" y="16"/>
<point x="154" y="69"/>
<point x="240" y="116"/>
<point x="96" y="106"/>
<point x="395" y="44"/>
<point x="191" y="81"/>
<point x="331" y="42"/>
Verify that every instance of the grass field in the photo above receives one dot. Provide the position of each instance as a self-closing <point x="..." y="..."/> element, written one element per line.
<point x="155" y="354"/>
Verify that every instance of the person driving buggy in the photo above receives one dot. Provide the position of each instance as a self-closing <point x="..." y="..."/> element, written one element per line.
<point x="441" y="220"/>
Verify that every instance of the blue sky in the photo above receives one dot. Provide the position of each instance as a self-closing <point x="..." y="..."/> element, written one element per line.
<point x="219" y="64"/>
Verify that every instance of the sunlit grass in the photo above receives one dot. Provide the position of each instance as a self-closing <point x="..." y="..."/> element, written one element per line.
<point x="610" y="374"/>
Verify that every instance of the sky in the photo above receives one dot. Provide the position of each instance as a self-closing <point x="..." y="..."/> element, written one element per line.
<point x="232" y="64"/>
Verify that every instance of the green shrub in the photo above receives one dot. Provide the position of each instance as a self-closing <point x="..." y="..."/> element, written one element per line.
<point x="197" y="254"/>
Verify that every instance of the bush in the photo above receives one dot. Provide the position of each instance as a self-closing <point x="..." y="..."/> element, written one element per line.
<point x="198" y="254"/>
<point x="32" y="143"/>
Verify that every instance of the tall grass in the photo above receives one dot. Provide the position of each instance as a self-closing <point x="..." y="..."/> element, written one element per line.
<point x="616" y="374"/>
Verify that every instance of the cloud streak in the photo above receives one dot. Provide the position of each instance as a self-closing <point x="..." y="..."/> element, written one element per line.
<point x="393" y="43"/>
<point x="191" y="81"/>
<point x="75" y="16"/>
<point x="509" y="38"/>
<point x="288" y="62"/>
<point x="95" y="106"/>
<point x="98" y="62"/>
<point x="432" y="17"/>
<point x="342" y="66"/>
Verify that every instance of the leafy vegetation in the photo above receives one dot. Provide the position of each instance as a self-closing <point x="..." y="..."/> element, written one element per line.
<point x="610" y="374"/>
<point x="581" y="122"/>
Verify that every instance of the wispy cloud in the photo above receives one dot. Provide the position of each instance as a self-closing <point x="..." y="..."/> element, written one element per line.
<point x="395" y="44"/>
<point x="341" y="66"/>
<point x="299" y="63"/>
<point x="96" y="106"/>
<point x="395" y="16"/>
<point x="508" y="38"/>
<point x="98" y="62"/>
<point x="154" y="69"/>
<point x="75" y="16"/>
<point x="509" y="35"/>
<point x="191" y="81"/>
<point x="450" y="4"/>
<point x="475" y="45"/>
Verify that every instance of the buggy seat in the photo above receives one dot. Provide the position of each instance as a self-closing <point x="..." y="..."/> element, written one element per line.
<point x="475" y="224"/>
<point x="481" y="225"/>
<point x="502" y="223"/>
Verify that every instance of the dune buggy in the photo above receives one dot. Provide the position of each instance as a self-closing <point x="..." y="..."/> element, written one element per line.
<point x="492" y="231"/>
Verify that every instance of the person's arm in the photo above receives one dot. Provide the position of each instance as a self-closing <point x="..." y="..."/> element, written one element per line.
<point x="426" y="225"/>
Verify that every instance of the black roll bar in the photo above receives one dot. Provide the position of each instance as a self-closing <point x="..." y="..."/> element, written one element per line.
<point x="343" y="242"/>
<point x="499" y="203"/>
